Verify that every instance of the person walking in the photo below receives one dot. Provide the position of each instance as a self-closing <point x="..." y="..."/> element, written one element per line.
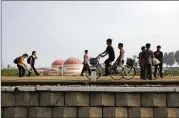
<point x="31" y="62"/>
<point x="85" y="64"/>
<point x="21" y="65"/>
<point x="148" y="57"/>
<point x="159" y="55"/>
<point x="141" y="63"/>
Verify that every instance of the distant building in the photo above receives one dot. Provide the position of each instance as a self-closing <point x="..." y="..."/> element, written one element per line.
<point x="58" y="66"/>
<point x="72" y="66"/>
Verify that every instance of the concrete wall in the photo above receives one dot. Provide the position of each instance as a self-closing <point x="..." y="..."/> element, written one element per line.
<point x="64" y="104"/>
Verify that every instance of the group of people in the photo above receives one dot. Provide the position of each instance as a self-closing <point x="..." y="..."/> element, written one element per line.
<point x="111" y="57"/>
<point x="20" y="61"/>
<point x="145" y="59"/>
<point x="146" y="62"/>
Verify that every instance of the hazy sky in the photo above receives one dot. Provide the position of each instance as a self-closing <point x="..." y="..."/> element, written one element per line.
<point x="59" y="30"/>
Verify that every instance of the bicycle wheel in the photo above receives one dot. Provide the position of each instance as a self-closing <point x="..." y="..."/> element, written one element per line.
<point x="98" y="73"/>
<point x="156" y="74"/>
<point x="116" y="72"/>
<point x="128" y="72"/>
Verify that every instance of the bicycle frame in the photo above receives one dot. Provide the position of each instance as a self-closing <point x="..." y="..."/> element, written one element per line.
<point x="99" y="66"/>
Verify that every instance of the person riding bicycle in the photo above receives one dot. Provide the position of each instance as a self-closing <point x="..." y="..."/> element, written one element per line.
<point x="120" y="59"/>
<point x="141" y="63"/>
<point x="110" y="51"/>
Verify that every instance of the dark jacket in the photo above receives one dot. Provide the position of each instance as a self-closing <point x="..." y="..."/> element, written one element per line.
<point x="33" y="60"/>
<point x="159" y="55"/>
<point x="141" y="58"/>
<point x="148" y="56"/>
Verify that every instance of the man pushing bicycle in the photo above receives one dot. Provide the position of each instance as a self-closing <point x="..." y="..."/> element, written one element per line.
<point x="110" y="52"/>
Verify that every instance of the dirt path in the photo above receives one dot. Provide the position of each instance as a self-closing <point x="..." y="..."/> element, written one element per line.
<point x="74" y="78"/>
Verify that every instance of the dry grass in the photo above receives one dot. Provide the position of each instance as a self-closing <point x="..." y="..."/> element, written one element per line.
<point x="73" y="78"/>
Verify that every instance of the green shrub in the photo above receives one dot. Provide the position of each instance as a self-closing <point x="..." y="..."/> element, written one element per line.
<point x="12" y="72"/>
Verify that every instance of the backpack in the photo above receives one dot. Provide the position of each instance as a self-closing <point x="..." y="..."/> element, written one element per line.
<point x="28" y="60"/>
<point x="17" y="60"/>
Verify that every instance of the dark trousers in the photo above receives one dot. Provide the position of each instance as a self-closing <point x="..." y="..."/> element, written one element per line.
<point x="142" y="72"/>
<point x="160" y="70"/>
<point x="21" y="70"/>
<point x="148" y="71"/>
<point x="85" y="68"/>
<point x="33" y="68"/>
<point x="107" y="65"/>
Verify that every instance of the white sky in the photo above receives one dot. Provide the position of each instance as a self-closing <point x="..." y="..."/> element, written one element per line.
<point x="58" y="29"/>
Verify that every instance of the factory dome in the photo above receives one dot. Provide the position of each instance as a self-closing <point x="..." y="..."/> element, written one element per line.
<point x="58" y="62"/>
<point x="72" y="61"/>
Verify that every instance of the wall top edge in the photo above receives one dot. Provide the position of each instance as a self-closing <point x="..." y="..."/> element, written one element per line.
<point x="89" y="89"/>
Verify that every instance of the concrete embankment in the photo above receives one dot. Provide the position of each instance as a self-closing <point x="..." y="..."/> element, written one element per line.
<point x="99" y="102"/>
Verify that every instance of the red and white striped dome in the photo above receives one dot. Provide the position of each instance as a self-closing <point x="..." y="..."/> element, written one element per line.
<point x="58" y="62"/>
<point x="72" y="61"/>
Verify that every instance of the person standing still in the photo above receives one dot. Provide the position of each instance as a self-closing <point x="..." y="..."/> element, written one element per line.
<point x="159" y="55"/>
<point x="141" y="63"/>
<point x="31" y="62"/>
<point x="148" y="56"/>
<point x="85" y="64"/>
<point x="21" y="65"/>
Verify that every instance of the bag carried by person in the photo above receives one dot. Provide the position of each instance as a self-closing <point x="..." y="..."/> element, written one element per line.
<point x="17" y="60"/>
<point x="155" y="61"/>
<point x="28" y="60"/>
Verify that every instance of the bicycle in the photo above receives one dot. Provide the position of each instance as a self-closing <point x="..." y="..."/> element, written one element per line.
<point x="157" y="73"/>
<point x="114" y="70"/>
<point x="130" y="70"/>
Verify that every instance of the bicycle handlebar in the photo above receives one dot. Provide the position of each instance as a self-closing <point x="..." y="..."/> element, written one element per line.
<point x="135" y="56"/>
<point x="98" y="57"/>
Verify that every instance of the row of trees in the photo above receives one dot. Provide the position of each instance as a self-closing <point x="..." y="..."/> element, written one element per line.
<point x="170" y="58"/>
